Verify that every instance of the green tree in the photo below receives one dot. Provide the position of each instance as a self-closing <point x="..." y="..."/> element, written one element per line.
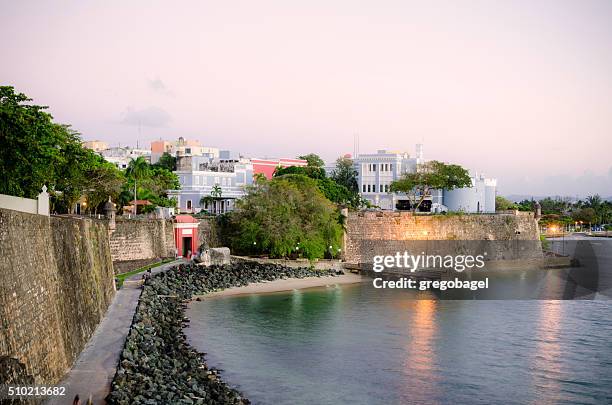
<point x="32" y="147"/>
<point x="104" y="180"/>
<point x="503" y="204"/>
<point x="166" y="161"/>
<point x="345" y="174"/>
<point x="586" y="215"/>
<point x="594" y="201"/>
<point x="308" y="171"/>
<point x="526" y="205"/>
<point x="285" y="217"/>
<point x="138" y="169"/>
<point x="216" y="191"/>
<point x="430" y="176"/>
<point x="313" y="160"/>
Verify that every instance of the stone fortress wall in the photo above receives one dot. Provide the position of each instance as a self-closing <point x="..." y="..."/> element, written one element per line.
<point x="56" y="283"/>
<point x="137" y="242"/>
<point x="511" y="235"/>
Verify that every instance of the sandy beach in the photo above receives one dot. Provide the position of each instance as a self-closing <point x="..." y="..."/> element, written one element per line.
<point x="286" y="285"/>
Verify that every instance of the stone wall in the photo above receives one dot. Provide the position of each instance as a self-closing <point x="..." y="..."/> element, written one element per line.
<point x="373" y="233"/>
<point x="56" y="283"/>
<point x="208" y="232"/>
<point x="138" y="242"/>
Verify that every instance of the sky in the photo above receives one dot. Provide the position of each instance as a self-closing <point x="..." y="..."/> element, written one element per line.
<point x="518" y="90"/>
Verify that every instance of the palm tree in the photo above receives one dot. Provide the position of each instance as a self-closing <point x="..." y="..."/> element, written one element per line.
<point x="216" y="191"/>
<point x="215" y="194"/>
<point x="137" y="169"/>
<point x="594" y="201"/>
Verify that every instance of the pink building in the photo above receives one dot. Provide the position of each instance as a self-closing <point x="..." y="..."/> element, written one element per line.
<point x="267" y="166"/>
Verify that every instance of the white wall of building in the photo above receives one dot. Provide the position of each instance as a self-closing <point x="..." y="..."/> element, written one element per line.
<point x="376" y="172"/>
<point x="199" y="179"/>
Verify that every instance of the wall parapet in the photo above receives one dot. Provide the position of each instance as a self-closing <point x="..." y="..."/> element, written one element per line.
<point x="39" y="206"/>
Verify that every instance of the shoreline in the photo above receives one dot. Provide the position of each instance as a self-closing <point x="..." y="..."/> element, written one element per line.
<point x="288" y="284"/>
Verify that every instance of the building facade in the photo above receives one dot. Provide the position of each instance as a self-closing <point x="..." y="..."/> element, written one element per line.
<point x="181" y="146"/>
<point x="210" y="184"/>
<point x="122" y="156"/>
<point x="96" y="146"/>
<point x="376" y="172"/>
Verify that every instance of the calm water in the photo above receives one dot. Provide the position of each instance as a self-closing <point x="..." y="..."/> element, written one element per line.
<point x="354" y="344"/>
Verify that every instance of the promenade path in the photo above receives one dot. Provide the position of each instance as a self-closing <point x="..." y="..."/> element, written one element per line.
<point x="93" y="371"/>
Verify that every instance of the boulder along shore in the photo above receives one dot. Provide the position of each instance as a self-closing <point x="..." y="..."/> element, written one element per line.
<point x="157" y="364"/>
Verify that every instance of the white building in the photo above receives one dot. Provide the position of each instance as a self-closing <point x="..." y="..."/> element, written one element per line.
<point x="200" y="176"/>
<point x="122" y="156"/>
<point x="478" y="198"/>
<point x="376" y="172"/>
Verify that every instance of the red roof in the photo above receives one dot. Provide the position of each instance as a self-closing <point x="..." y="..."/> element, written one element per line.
<point x="186" y="219"/>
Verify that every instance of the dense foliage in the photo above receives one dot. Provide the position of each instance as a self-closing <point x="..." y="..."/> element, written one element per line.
<point x="313" y="160"/>
<point x="166" y="161"/>
<point x="340" y="188"/>
<point x="35" y="151"/>
<point x="287" y="216"/>
<point x="503" y="204"/>
<point x="345" y="174"/>
<point x="563" y="212"/>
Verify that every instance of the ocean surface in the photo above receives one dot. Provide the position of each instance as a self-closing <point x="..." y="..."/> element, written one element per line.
<point x="359" y="345"/>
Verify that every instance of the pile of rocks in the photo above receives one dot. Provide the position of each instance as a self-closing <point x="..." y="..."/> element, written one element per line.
<point x="157" y="364"/>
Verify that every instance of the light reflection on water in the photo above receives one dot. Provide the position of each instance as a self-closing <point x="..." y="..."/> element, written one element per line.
<point x="353" y="344"/>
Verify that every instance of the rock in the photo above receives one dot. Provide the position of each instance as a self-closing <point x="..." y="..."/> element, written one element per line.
<point x="156" y="353"/>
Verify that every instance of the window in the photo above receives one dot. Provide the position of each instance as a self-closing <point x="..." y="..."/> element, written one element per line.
<point x="391" y="167"/>
<point x="187" y="150"/>
<point x="364" y="188"/>
<point x="382" y="188"/>
<point x="374" y="167"/>
<point x="188" y="204"/>
<point x="368" y="188"/>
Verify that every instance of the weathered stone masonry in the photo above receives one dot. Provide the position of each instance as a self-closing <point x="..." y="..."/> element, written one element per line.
<point x="135" y="243"/>
<point x="368" y="232"/>
<point x="56" y="282"/>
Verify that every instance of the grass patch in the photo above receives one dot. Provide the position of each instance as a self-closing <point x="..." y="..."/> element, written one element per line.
<point x="123" y="276"/>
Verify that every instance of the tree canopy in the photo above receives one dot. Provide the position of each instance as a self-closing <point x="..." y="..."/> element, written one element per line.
<point x="430" y="176"/>
<point x="166" y="161"/>
<point x="313" y="160"/>
<point x="345" y="174"/>
<point x="285" y="217"/>
<point x="503" y="204"/>
<point x="331" y="189"/>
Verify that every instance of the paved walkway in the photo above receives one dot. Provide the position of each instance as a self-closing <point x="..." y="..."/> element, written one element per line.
<point x="95" y="368"/>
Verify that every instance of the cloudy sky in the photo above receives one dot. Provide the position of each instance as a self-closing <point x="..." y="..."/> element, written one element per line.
<point x="518" y="90"/>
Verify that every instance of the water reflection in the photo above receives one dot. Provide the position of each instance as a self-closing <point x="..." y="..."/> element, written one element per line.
<point x="419" y="364"/>
<point x="546" y="368"/>
<point x="356" y="345"/>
